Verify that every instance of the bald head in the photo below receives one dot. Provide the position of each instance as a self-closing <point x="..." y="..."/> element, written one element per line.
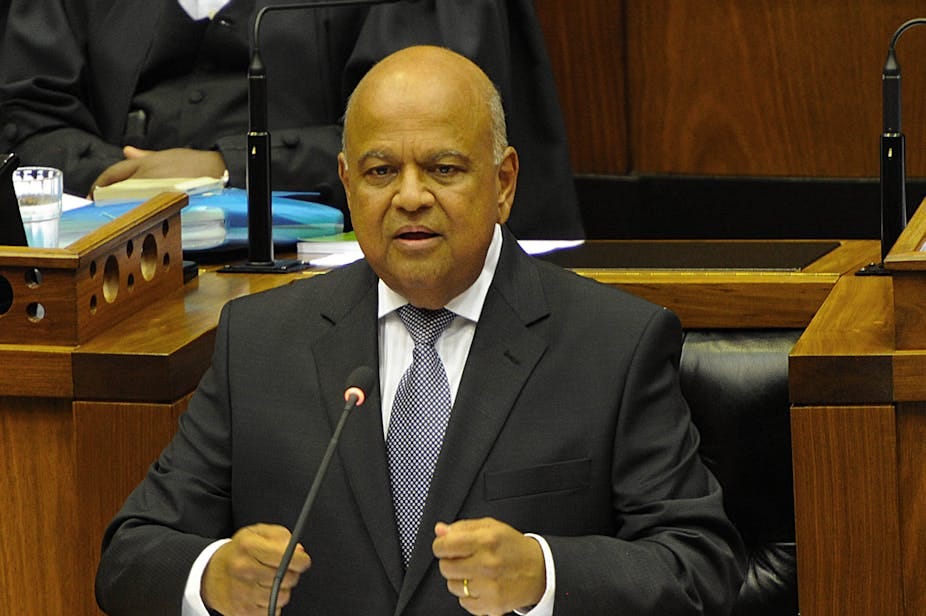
<point x="427" y="173"/>
<point x="414" y="72"/>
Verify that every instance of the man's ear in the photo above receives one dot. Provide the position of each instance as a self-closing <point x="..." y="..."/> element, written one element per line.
<point x="342" y="172"/>
<point x="344" y="175"/>
<point x="507" y="183"/>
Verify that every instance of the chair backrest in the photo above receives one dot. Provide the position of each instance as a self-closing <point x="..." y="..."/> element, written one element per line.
<point x="736" y="383"/>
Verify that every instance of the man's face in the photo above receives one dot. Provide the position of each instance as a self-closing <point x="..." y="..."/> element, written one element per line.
<point x="422" y="185"/>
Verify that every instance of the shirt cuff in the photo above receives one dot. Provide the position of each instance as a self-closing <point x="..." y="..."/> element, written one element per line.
<point x="192" y="599"/>
<point x="545" y="606"/>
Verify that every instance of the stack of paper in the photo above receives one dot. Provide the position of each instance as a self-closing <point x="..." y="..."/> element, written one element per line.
<point x="142" y="189"/>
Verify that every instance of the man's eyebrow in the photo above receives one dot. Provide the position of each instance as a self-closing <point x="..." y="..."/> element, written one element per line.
<point x="443" y="154"/>
<point x="434" y="157"/>
<point x="374" y="154"/>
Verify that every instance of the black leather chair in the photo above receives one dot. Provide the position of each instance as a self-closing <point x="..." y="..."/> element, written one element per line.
<point x="736" y="383"/>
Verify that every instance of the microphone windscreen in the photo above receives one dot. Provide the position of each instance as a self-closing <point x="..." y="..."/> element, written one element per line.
<point x="361" y="378"/>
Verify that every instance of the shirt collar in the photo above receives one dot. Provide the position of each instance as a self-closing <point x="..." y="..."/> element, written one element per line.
<point x="199" y="9"/>
<point x="467" y="304"/>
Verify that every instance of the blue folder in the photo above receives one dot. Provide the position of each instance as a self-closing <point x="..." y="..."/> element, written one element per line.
<point x="219" y="220"/>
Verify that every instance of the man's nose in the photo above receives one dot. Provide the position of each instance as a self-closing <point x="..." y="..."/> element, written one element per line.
<point x="413" y="191"/>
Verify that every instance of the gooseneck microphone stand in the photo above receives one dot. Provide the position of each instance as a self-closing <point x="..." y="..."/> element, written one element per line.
<point x="893" y="179"/>
<point x="260" y="218"/>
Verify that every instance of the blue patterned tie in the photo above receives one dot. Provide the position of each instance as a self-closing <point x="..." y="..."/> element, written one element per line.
<point x="419" y="417"/>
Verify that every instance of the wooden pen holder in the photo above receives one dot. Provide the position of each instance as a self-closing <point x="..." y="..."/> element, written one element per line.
<point x="65" y="296"/>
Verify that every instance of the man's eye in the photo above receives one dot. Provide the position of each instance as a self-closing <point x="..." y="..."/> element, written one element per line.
<point x="445" y="169"/>
<point x="381" y="171"/>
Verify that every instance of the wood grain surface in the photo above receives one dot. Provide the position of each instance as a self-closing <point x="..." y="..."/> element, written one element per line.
<point x="733" y="87"/>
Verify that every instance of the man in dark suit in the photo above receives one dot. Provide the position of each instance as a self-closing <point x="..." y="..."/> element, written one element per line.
<point x="568" y="479"/>
<point x="110" y="89"/>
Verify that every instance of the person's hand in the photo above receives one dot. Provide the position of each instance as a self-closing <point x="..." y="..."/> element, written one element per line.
<point x="172" y="163"/>
<point x="490" y="566"/>
<point x="239" y="576"/>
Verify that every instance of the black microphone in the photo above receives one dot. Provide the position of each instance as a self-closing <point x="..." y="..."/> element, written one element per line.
<point x="893" y="154"/>
<point x="359" y="383"/>
<point x="260" y="216"/>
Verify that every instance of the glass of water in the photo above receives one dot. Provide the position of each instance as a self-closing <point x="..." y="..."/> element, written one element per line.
<point x="39" y="190"/>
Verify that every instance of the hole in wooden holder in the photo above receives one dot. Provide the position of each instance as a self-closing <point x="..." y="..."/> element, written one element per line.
<point x="33" y="277"/>
<point x="6" y="295"/>
<point x="149" y="257"/>
<point x="111" y="279"/>
<point x="35" y="311"/>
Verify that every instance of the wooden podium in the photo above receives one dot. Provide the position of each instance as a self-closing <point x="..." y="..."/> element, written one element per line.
<point x="80" y="422"/>
<point x="858" y="389"/>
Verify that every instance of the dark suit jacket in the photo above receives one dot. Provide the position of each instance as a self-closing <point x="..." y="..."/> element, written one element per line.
<point x="568" y="423"/>
<point x="65" y="96"/>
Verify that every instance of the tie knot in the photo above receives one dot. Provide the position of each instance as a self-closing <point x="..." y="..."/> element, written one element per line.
<point x="425" y="326"/>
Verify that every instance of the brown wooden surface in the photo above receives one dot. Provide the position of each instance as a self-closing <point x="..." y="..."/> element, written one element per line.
<point x="586" y="44"/>
<point x="162" y="352"/>
<point x="846" y="505"/>
<point x="115" y="443"/>
<point x="733" y="87"/>
<point x="39" y="522"/>
<point x="859" y="450"/>
<point x="102" y="278"/>
<point x="909" y="376"/>
<point x="910" y="309"/>
<point x="911" y="430"/>
<point x="907" y="262"/>
<point x="743" y="299"/>
<point x="908" y="253"/>
<point x="35" y="371"/>
<point x="845" y="354"/>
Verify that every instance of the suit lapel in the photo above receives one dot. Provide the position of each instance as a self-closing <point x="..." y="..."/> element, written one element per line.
<point x="504" y="353"/>
<point x="352" y="342"/>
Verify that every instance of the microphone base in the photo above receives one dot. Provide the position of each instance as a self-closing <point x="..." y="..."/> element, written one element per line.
<point x="280" y="266"/>
<point x="874" y="269"/>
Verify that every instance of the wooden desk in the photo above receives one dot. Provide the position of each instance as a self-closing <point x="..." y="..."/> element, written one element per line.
<point x="80" y="425"/>
<point x="742" y="299"/>
<point x="859" y="447"/>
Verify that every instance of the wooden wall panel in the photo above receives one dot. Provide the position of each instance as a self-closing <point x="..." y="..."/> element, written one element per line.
<point x="734" y="87"/>
<point x="586" y="44"/>
<point x="115" y="443"/>
<point x="846" y="501"/>
<point x="776" y="87"/>
<point x="911" y="430"/>
<point x="39" y="526"/>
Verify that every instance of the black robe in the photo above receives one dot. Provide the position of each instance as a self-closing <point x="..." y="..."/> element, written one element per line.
<point x="73" y="71"/>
